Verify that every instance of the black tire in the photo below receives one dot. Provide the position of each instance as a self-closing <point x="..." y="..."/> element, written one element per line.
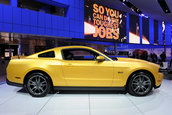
<point x="38" y="84"/>
<point x="140" y="84"/>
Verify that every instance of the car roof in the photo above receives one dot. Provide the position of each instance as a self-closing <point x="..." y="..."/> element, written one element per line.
<point x="56" y="49"/>
<point x="64" y="47"/>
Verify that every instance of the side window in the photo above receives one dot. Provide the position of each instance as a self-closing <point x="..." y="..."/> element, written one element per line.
<point x="79" y="54"/>
<point x="49" y="54"/>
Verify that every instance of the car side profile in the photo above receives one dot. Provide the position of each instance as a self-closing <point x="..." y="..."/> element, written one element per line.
<point x="75" y="67"/>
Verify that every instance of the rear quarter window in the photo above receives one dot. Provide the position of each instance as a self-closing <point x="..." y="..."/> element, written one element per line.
<point x="49" y="54"/>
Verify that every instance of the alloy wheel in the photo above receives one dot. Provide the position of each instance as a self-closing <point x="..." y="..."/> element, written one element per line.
<point x="141" y="84"/>
<point x="37" y="85"/>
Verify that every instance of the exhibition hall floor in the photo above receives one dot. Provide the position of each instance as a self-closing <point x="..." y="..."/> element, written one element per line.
<point x="14" y="101"/>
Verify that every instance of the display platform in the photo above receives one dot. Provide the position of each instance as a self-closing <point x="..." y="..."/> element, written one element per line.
<point x="15" y="101"/>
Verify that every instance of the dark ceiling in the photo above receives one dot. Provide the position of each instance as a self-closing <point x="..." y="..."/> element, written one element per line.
<point x="151" y="8"/>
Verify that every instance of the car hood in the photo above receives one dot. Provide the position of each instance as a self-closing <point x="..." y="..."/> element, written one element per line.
<point x="131" y="60"/>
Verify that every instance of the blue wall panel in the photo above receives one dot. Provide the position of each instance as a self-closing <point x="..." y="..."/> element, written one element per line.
<point x="61" y="33"/>
<point x="54" y="32"/>
<point x="33" y="30"/>
<point x="81" y="26"/>
<point x="66" y="34"/>
<point x="33" y="18"/>
<point x="71" y="3"/>
<point x="41" y="31"/>
<point x="17" y="28"/>
<point x="48" y="32"/>
<point x="17" y="20"/>
<point x="71" y="12"/>
<point x="26" y="29"/>
<point x="60" y="23"/>
<point x="81" y="15"/>
<point x="18" y="15"/>
<point x="127" y="26"/>
<point x="76" y="3"/>
<point x="1" y="27"/>
<point x="7" y="14"/>
<point x="81" y="4"/>
<point x="25" y="17"/>
<point x="167" y="34"/>
<point x="13" y="3"/>
<point x="72" y="25"/>
<point x="48" y="21"/>
<point x="1" y="13"/>
<point x="41" y="20"/>
<point x="71" y="34"/>
<point x="77" y="35"/>
<point x="63" y="1"/>
<point x="151" y="31"/>
<point x="54" y="22"/>
<point x="7" y="27"/>
<point x="140" y="29"/>
<point x="66" y="24"/>
<point x="75" y="26"/>
<point x="76" y="14"/>
<point x="160" y="38"/>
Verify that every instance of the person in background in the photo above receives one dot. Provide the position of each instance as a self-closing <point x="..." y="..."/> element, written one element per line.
<point x="154" y="57"/>
<point x="163" y="57"/>
<point x="144" y="56"/>
<point x="170" y="62"/>
<point x="151" y="56"/>
<point x="160" y="62"/>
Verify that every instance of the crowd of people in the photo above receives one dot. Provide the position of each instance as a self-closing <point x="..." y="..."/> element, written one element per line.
<point x="152" y="57"/>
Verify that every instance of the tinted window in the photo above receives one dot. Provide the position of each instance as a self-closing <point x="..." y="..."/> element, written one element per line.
<point x="50" y="54"/>
<point x="41" y="7"/>
<point x="79" y="54"/>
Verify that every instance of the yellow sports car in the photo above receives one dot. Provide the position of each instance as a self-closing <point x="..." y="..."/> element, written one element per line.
<point x="75" y="67"/>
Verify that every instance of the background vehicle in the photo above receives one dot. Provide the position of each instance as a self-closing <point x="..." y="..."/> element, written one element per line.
<point x="74" y="67"/>
<point x="140" y="54"/>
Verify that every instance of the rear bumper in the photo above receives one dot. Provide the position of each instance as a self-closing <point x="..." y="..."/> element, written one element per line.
<point x="14" y="84"/>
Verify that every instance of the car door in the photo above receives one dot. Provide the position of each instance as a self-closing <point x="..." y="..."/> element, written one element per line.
<point x="81" y="69"/>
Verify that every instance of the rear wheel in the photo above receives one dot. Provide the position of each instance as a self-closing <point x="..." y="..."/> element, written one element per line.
<point x="38" y="84"/>
<point x="140" y="84"/>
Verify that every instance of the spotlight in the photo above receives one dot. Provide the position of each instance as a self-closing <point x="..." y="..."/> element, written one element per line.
<point x="131" y="6"/>
<point x="143" y="15"/>
<point x="164" y="6"/>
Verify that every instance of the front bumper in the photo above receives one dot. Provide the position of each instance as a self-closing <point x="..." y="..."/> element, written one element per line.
<point x="159" y="79"/>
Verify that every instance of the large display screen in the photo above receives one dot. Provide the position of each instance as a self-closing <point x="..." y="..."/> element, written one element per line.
<point x="103" y="23"/>
<point x="145" y="31"/>
<point x="155" y="32"/>
<point x="134" y="35"/>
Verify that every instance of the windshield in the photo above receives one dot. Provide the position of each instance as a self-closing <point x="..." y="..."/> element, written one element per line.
<point x="113" y="57"/>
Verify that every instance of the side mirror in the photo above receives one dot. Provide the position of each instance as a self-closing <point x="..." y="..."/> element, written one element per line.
<point x="100" y="58"/>
<point x="115" y="58"/>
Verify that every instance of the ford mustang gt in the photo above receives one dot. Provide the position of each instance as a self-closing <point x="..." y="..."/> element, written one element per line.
<point x="80" y="67"/>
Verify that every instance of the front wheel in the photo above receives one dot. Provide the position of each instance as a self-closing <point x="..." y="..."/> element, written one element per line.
<point x="38" y="85"/>
<point x="140" y="84"/>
